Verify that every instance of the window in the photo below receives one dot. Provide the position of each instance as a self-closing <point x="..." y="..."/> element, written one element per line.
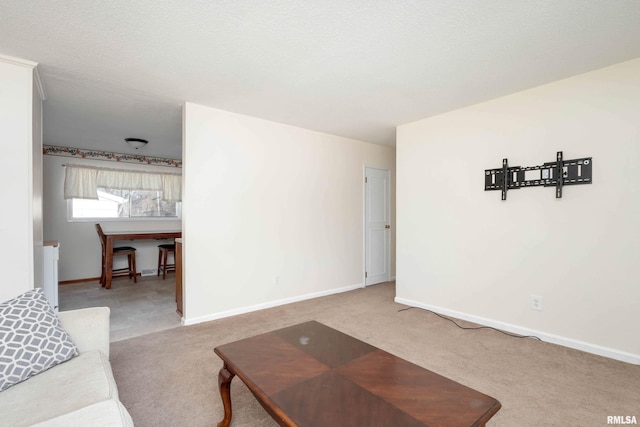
<point x="123" y="205"/>
<point x="120" y="194"/>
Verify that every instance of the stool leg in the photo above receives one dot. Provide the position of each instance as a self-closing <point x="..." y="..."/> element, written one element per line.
<point x="102" y="275"/>
<point x="164" y="268"/>
<point x="159" y="260"/>
<point x="133" y="263"/>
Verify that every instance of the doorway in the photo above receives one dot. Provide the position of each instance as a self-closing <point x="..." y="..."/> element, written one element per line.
<point x="377" y="214"/>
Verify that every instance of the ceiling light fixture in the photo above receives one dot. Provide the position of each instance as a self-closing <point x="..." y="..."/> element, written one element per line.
<point x="136" y="142"/>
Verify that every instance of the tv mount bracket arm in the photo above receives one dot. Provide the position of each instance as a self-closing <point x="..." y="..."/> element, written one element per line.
<point x="551" y="174"/>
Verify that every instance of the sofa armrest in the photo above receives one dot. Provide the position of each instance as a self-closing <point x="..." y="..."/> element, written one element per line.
<point x="88" y="328"/>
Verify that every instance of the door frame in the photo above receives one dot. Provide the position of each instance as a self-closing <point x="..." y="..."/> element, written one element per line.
<point x="364" y="221"/>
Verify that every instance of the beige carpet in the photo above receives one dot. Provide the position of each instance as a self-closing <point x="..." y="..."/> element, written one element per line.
<point x="136" y="308"/>
<point x="169" y="378"/>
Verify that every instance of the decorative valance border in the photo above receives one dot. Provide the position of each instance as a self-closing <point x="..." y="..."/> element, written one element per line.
<point x="52" y="150"/>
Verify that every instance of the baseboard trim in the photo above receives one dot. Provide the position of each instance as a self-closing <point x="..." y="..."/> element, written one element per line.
<point x="257" y="307"/>
<point x="68" y="282"/>
<point x="551" y="338"/>
<point x="88" y="279"/>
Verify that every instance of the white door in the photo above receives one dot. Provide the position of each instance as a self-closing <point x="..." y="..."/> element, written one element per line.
<point x="377" y="226"/>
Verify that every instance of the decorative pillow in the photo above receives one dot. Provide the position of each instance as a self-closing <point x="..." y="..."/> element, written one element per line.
<point x="32" y="339"/>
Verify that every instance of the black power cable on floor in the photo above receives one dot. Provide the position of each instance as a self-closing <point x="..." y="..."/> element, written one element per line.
<point x="475" y="327"/>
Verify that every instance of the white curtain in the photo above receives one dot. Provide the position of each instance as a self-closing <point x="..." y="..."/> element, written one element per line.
<point x="172" y="187"/>
<point x="82" y="182"/>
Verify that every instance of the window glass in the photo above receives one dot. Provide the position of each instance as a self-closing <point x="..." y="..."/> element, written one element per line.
<point x="124" y="204"/>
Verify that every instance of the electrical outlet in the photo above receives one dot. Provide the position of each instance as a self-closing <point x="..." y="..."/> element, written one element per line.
<point x="536" y="302"/>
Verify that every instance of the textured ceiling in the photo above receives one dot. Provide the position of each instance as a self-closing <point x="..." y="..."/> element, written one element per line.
<point x="357" y="68"/>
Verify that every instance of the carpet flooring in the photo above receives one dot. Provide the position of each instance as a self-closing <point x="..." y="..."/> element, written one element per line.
<point x="136" y="308"/>
<point x="169" y="378"/>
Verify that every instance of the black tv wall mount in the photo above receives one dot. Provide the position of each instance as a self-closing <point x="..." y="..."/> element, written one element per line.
<point x="551" y="174"/>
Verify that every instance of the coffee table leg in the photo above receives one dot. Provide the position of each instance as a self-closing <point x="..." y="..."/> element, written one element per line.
<point x="224" y="383"/>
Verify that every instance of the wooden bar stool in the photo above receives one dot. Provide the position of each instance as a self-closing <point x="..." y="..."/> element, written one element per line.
<point x="128" y="251"/>
<point x="163" y="252"/>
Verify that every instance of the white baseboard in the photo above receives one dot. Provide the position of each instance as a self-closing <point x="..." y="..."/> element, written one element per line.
<point x="249" y="309"/>
<point x="149" y="272"/>
<point x="554" y="339"/>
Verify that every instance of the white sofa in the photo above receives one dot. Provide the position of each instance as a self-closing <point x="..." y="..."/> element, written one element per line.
<point x="78" y="392"/>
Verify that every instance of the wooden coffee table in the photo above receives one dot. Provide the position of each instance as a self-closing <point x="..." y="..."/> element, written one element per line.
<point x="312" y="375"/>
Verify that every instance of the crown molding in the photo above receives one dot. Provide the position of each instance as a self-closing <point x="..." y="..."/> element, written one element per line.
<point x="39" y="84"/>
<point x="27" y="64"/>
<point x="18" y="61"/>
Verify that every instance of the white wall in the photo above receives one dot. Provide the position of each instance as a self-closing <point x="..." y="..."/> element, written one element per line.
<point x="36" y="183"/>
<point x="80" y="251"/>
<point x="17" y="221"/>
<point x="263" y="200"/>
<point x="465" y="252"/>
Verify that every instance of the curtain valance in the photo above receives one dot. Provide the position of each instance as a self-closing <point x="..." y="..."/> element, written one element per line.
<point x="82" y="182"/>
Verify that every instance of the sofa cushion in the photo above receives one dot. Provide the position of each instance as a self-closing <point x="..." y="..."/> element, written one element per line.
<point x="82" y="381"/>
<point x="33" y="339"/>
<point x="108" y="413"/>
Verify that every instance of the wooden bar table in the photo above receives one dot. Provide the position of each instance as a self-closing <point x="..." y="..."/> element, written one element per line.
<point x="113" y="236"/>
